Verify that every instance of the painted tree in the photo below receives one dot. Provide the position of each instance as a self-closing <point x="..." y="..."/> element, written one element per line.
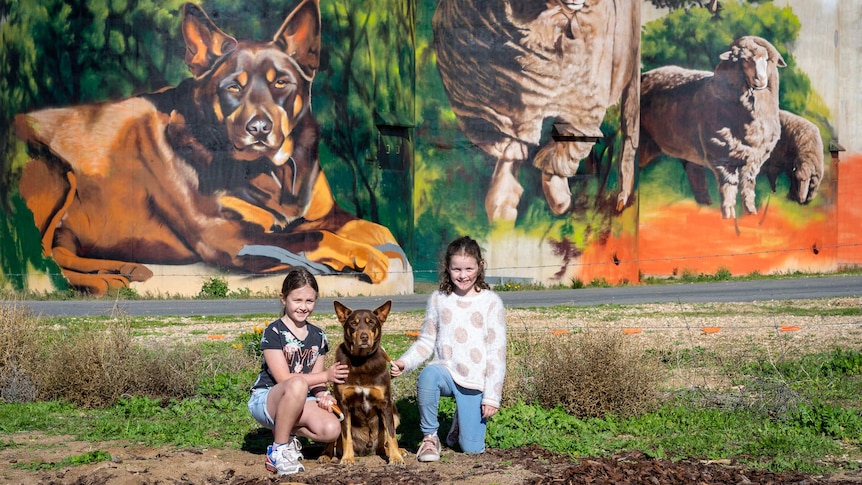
<point x="61" y="52"/>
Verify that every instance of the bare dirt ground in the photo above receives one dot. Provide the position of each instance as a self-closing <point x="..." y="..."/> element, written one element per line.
<point x="731" y="327"/>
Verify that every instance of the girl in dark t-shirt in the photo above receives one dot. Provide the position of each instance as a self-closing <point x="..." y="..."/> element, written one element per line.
<point x="289" y="395"/>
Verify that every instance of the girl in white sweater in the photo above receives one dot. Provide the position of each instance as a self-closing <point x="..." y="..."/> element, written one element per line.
<point x="464" y="333"/>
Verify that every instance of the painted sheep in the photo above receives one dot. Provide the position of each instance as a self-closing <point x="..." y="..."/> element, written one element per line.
<point x="510" y="65"/>
<point x="798" y="153"/>
<point x="726" y="121"/>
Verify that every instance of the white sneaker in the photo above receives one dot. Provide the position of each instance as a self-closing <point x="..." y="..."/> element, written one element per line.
<point x="286" y="458"/>
<point x="430" y="449"/>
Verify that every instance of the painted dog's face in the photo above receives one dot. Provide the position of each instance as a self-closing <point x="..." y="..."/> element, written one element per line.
<point x="257" y="96"/>
<point x="362" y="328"/>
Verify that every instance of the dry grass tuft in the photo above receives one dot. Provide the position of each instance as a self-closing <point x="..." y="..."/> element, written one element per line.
<point x="19" y="346"/>
<point x="90" y="367"/>
<point x="590" y="374"/>
<point x="94" y="368"/>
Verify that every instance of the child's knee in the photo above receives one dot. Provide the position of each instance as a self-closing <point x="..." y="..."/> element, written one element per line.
<point x="472" y="447"/>
<point x="331" y="430"/>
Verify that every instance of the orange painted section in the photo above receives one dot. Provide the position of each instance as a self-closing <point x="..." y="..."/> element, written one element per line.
<point x="614" y="261"/>
<point x="686" y="237"/>
<point x="850" y="210"/>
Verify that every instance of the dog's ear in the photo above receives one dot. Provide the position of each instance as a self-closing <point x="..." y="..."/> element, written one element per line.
<point x="204" y="41"/>
<point x="299" y="37"/>
<point x="341" y="311"/>
<point x="383" y="311"/>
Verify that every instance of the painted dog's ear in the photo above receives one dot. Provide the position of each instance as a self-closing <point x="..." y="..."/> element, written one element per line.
<point x="383" y="311"/>
<point x="341" y="311"/>
<point x="204" y="41"/>
<point x="299" y="37"/>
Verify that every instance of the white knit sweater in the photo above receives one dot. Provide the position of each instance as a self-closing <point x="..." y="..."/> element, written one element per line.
<point x="467" y="335"/>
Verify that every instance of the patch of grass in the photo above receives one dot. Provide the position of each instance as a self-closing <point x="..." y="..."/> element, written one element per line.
<point x="76" y="460"/>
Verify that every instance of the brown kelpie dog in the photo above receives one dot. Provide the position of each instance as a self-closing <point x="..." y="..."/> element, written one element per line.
<point x="370" y="416"/>
<point x="222" y="169"/>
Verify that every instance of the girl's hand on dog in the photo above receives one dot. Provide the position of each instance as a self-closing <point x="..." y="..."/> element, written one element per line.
<point x="395" y="368"/>
<point x="337" y="373"/>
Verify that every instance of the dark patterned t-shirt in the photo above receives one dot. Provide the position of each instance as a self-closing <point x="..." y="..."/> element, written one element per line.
<point x="300" y="354"/>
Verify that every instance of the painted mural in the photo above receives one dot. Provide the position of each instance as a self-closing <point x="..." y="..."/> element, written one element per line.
<point x="221" y="171"/>
<point x="541" y="117"/>
<point x="580" y="141"/>
<point x="735" y="173"/>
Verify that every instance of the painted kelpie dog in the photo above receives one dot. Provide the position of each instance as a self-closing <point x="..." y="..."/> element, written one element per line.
<point x="222" y="169"/>
<point x="370" y="416"/>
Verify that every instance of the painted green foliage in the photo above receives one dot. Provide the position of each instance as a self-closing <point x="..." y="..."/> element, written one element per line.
<point x="366" y="81"/>
<point x="694" y="39"/>
<point x="55" y="53"/>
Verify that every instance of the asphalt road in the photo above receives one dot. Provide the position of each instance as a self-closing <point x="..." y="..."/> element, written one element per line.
<point x="732" y="291"/>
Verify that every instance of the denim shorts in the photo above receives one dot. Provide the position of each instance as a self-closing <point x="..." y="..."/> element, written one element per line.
<point x="257" y="407"/>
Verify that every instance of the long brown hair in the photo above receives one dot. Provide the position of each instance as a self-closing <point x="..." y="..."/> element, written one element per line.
<point x="464" y="246"/>
<point x="297" y="278"/>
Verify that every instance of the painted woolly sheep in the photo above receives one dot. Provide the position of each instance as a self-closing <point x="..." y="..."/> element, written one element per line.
<point x="799" y="154"/>
<point x="726" y="121"/>
<point x="510" y="65"/>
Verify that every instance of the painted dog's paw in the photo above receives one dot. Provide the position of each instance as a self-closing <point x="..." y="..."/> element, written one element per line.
<point x="344" y="255"/>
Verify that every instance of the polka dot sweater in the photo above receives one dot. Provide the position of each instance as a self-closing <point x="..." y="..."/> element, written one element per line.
<point x="467" y="335"/>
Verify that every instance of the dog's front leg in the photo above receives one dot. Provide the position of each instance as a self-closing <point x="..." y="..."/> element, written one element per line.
<point x="347" y="455"/>
<point x="393" y="452"/>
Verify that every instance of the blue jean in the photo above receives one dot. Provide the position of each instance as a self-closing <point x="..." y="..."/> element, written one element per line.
<point x="257" y="407"/>
<point x="435" y="381"/>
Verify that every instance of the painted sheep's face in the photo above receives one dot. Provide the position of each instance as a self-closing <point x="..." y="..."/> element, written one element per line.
<point x="757" y="57"/>
<point x="755" y="64"/>
<point x="805" y="180"/>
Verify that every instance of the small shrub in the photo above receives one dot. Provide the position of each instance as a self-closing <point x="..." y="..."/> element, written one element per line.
<point x="214" y="288"/>
<point x="227" y="371"/>
<point x="723" y="274"/>
<point x="19" y="352"/>
<point x="590" y="374"/>
<point x="845" y="362"/>
<point x="250" y="341"/>
<point x="242" y="293"/>
<point x="599" y="283"/>
<point x="127" y="293"/>
<point x="95" y="367"/>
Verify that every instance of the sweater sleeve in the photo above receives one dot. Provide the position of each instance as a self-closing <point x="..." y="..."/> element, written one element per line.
<point x="495" y="371"/>
<point x="423" y="347"/>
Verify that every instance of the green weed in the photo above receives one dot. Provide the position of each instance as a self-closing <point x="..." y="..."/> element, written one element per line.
<point x="213" y="288"/>
<point x="76" y="460"/>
